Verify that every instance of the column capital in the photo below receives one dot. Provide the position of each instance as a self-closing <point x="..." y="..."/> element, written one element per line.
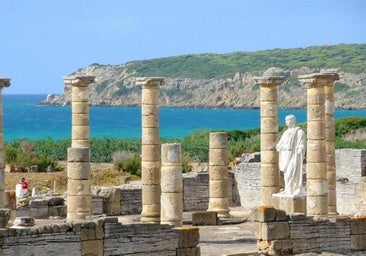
<point x="318" y="79"/>
<point x="150" y="82"/>
<point x="79" y="81"/>
<point x="269" y="80"/>
<point x="4" y="82"/>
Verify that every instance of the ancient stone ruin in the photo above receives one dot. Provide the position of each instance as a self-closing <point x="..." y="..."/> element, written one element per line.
<point x="327" y="216"/>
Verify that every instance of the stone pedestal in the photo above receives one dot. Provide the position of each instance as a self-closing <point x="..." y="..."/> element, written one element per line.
<point x="329" y="144"/>
<point x="317" y="179"/>
<point x="150" y="157"/>
<point x="218" y="176"/>
<point x="270" y="174"/>
<point x="289" y="203"/>
<point x="80" y="109"/>
<point x="4" y="82"/>
<point x="171" y="185"/>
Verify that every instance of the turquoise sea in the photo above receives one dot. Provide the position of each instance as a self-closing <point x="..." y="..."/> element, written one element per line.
<point x="24" y="119"/>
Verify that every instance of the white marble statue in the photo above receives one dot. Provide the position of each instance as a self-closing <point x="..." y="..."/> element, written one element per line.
<point x="291" y="147"/>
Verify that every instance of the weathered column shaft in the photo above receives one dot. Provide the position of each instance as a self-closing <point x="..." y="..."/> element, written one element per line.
<point x="218" y="175"/>
<point x="329" y="145"/>
<point x="78" y="183"/>
<point x="317" y="179"/>
<point x="171" y="184"/>
<point x="80" y="134"/>
<point x="4" y="82"/>
<point x="150" y="157"/>
<point x="270" y="174"/>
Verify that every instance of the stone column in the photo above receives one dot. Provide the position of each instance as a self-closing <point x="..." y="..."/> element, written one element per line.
<point x="150" y="156"/>
<point x="317" y="180"/>
<point x="330" y="164"/>
<point x="270" y="174"/>
<point x="80" y="109"/>
<point x="171" y="184"/>
<point x="218" y="175"/>
<point x="78" y="184"/>
<point x="4" y="82"/>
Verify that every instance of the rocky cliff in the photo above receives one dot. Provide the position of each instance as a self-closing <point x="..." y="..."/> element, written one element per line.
<point x="115" y="87"/>
<point x="218" y="81"/>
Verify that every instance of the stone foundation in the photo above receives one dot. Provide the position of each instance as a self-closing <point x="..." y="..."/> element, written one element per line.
<point x="104" y="236"/>
<point x="281" y="234"/>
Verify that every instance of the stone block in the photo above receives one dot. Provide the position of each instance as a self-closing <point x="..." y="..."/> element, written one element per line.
<point x="195" y="251"/>
<point x="275" y="230"/>
<point x="150" y="152"/>
<point x="78" y="170"/>
<point x="270" y="175"/>
<point x="151" y="194"/>
<point x="317" y="131"/>
<point x="358" y="225"/>
<point x="317" y="205"/>
<point x="316" y="151"/>
<point x="92" y="247"/>
<point x="204" y="218"/>
<point x="218" y="156"/>
<point x="78" y="187"/>
<point x="218" y="188"/>
<point x="79" y="108"/>
<point x="78" y="154"/>
<point x="315" y="113"/>
<point x="290" y="204"/>
<point x="218" y="139"/>
<point x="80" y="132"/>
<point x="150" y="121"/>
<point x="149" y="96"/>
<point x="268" y="109"/>
<point x="171" y="179"/>
<point x="151" y="109"/>
<point x="268" y="93"/>
<point x="263" y="214"/>
<point x="269" y="156"/>
<point x="269" y="141"/>
<point x="276" y="247"/>
<point x="171" y="154"/>
<point x="269" y="125"/>
<point x="188" y="236"/>
<point x="80" y="119"/>
<point x="218" y="172"/>
<point x="150" y="173"/>
<point x="316" y="187"/>
<point x="358" y="242"/>
<point x="316" y="171"/>
<point x="150" y="135"/>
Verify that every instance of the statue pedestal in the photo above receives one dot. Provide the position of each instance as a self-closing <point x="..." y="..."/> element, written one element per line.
<point x="290" y="203"/>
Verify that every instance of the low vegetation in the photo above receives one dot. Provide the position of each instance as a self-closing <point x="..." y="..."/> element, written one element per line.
<point x="123" y="156"/>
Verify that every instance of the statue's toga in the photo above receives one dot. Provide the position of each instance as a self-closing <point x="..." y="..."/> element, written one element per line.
<point x="291" y="149"/>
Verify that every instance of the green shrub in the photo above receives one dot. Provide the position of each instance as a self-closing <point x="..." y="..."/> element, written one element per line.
<point x="196" y="145"/>
<point x="130" y="164"/>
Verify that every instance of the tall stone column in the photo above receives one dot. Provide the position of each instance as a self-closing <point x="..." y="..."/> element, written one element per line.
<point x="80" y="109"/>
<point x="218" y="175"/>
<point x="150" y="162"/>
<point x="4" y="82"/>
<point x="329" y="143"/>
<point x="270" y="174"/>
<point x="317" y="179"/>
<point x="78" y="156"/>
<point x="171" y="184"/>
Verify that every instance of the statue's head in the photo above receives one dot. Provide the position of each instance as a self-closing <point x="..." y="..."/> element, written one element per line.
<point x="290" y="121"/>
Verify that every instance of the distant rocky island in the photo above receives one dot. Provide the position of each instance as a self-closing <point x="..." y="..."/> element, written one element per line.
<point x="228" y="80"/>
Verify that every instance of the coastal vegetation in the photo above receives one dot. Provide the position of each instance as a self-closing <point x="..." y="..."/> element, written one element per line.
<point x="125" y="153"/>
<point x="347" y="57"/>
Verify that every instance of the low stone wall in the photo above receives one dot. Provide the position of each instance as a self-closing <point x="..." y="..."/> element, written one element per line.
<point x="280" y="234"/>
<point x="247" y="177"/>
<point x="104" y="236"/>
<point x="350" y="167"/>
<point x="196" y="191"/>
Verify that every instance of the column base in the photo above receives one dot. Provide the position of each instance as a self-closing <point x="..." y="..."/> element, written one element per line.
<point x="290" y="203"/>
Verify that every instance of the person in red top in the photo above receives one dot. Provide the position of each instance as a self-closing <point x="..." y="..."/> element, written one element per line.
<point x="24" y="184"/>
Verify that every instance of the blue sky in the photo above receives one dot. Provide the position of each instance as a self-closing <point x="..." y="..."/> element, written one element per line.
<point x="41" y="41"/>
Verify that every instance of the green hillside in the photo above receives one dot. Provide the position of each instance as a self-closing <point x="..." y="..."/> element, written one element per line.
<point x="348" y="57"/>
